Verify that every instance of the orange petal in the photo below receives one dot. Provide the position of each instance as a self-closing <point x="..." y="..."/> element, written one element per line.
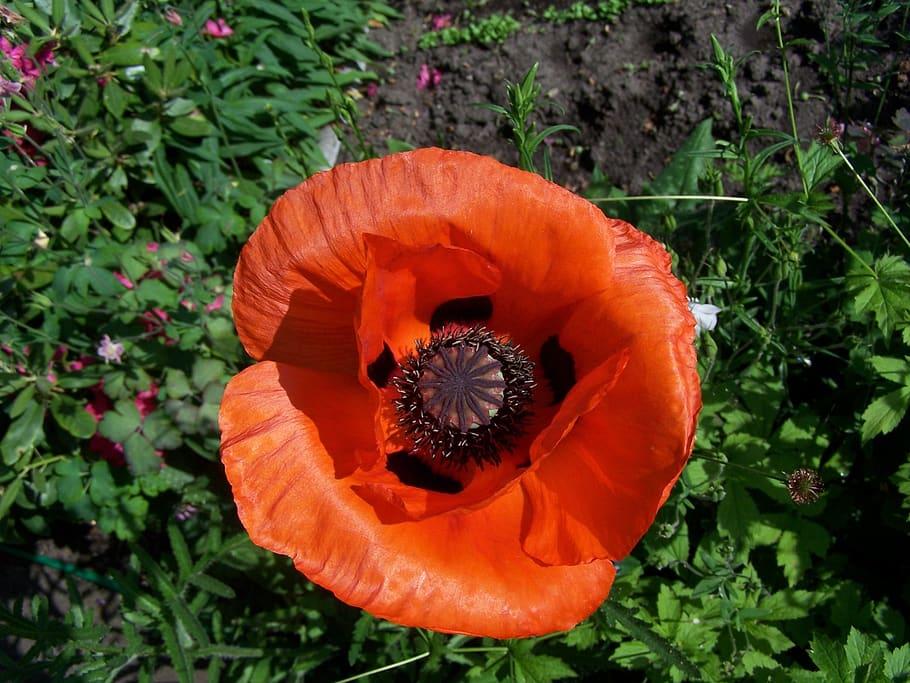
<point x="598" y="490"/>
<point x="404" y="286"/>
<point x="462" y="572"/>
<point x="297" y="281"/>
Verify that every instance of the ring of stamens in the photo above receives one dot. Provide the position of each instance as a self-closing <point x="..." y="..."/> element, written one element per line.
<point x="464" y="395"/>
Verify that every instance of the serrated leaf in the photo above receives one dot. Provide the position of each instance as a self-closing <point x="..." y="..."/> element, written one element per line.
<point x="830" y="659"/>
<point x="887" y="295"/>
<point x="212" y="585"/>
<point x="180" y="549"/>
<point x="736" y="512"/>
<point x="885" y="413"/>
<point x="897" y="664"/>
<point x="119" y="424"/>
<point x="531" y="668"/>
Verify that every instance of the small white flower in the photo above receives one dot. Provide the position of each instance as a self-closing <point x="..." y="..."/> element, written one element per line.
<point x="109" y="350"/>
<point x="705" y="316"/>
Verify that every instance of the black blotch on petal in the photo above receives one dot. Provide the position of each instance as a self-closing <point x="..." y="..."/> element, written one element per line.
<point x="465" y="311"/>
<point x="381" y="369"/>
<point x="414" y="472"/>
<point x="558" y="367"/>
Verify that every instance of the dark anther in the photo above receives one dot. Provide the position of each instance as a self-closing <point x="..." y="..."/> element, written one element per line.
<point x="558" y="367"/>
<point x="414" y="472"/>
<point x="381" y="369"/>
<point x="469" y="310"/>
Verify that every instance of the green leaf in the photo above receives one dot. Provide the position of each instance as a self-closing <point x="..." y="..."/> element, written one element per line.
<point x="176" y="384"/>
<point x="212" y="585"/>
<point x="119" y="424"/>
<point x="22" y="434"/>
<point x="114" y="98"/>
<point x="102" y="489"/>
<point x="830" y="659"/>
<point x="117" y="213"/>
<point x="72" y="416"/>
<point x="180" y="548"/>
<point x="140" y="455"/>
<point x="206" y="370"/>
<point x="897" y="664"/>
<point x="195" y="126"/>
<point x="531" y="668"/>
<point x="228" y="651"/>
<point x="885" y="413"/>
<point x="887" y="295"/>
<point x="75" y="225"/>
<point x="689" y="162"/>
<point x="9" y="495"/>
<point x="736" y="512"/>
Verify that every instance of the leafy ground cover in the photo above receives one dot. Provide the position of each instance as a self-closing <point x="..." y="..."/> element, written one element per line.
<point x="142" y="144"/>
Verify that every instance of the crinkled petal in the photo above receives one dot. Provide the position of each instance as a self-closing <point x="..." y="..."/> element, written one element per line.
<point x="463" y="572"/>
<point x="597" y="491"/>
<point x="299" y="276"/>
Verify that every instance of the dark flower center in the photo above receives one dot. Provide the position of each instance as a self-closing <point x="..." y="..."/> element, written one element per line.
<point x="462" y="386"/>
<point x="464" y="395"/>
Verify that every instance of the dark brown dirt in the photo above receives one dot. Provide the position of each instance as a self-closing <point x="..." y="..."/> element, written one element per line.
<point x="635" y="88"/>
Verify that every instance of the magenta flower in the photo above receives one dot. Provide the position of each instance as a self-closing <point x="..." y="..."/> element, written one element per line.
<point x="216" y="304"/>
<point x="123" y="279"/>
<point x="217" y="28"/>
<point x="428" y="78"/>
<point x="30" y="68"/>
<point x="441" y="21"/>
<point x="151" y="247"/>
<point x="372" y="90"/>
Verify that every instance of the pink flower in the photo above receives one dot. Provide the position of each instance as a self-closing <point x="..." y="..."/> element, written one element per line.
<point x="216" y="304"/>
<point x="102" y="81"/>
<point x="100" y="403"/>
<point x="151" y="247"/>
<point x="188" y="305"/>
<point x="187" y="257"/>
<point x="8" y="88"/>
<point x="217" y="28"/>
<point x="123" y="279"/>
<point x="110" y="351"/>
<point x="372" y="90"/>
<point x="30" y="68"/>
<point x="108" y="450"/>
<point x="51" y="377"/>
<point x="80" y="363"/>
<point x="428" y="78"/>
<point x="146" y="401"/>
<point x="7" y="349"/>
<point x="441" y="21"/>
<point x="173" y="17"/>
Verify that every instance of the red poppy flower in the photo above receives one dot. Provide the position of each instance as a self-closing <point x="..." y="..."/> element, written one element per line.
<point x="389" y="440"/>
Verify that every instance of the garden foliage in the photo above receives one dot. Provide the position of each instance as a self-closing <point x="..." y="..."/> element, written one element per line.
<point x="141" y="145"/>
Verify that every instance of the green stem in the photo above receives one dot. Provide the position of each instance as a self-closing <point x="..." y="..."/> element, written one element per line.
<point x="837" y="148"/>
<point x="658" y="197"/>
<point x="387" y="667"/>
<point x="727" y="463"/>
<point x="783" y="56"/>
<point x="65" y="567"/>
<point x="639" y="630"/>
